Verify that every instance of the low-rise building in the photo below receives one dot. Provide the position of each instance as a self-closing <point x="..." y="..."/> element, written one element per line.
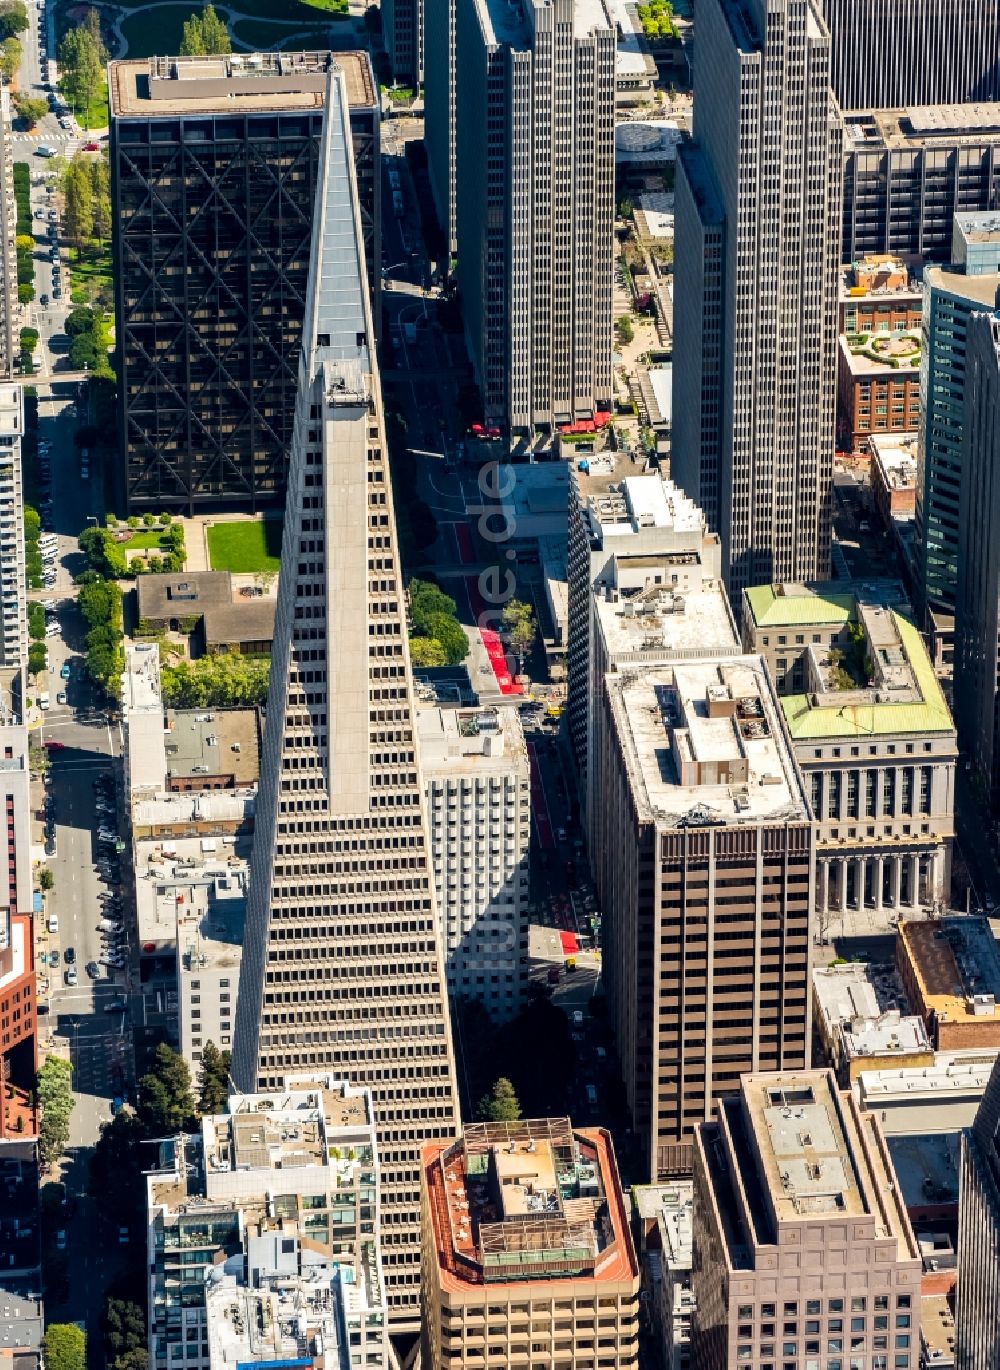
<point x="177" y="601"/>
<point x="872" y="733"/>
<point x="18" y="989"/>
<point x="879" y="294"/>
<point x="799" y="1232"/>
<point x="520" y="1220"/>
<point x="212" y="813"/>
<point x="859" y="1029"/>
<point x="243" y="628"/>
<point x="878" y="386"/>
<point x="664" y="1213"/>
<point x="894" y="475"/>
<point x="914" y="1100"/>
<point x="950" y="968"/>
<point x="478" y="788"/>
<point x="142" y="719"/>
<point x="212" y="749"/>
<point x="262" y="1241"/>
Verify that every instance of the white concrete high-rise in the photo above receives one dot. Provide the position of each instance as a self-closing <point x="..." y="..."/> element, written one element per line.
<point x="13" y="596"/>
<point x="758" y="225"/>
<point x="534" y="205"/>
<point x="342" y="967"/>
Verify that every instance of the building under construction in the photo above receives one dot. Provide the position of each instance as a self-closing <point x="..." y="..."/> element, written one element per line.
<point x="214" y="164"/>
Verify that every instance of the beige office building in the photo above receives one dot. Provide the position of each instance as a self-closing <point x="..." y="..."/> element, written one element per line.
<point x="527" y="1257"/>
<point x="478" y="787"/>
<point x="342" y="965"/>
<point x="872" y="734"/>
<point x="705" y="862"/>
<point x="803" y="1252"/>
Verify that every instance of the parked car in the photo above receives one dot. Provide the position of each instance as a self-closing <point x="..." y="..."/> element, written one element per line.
<point x="65" y="671"/>
<point x="62" y="698"/>
<point x="93" y="970"/>
<point x="70" y="955"/>
<point x="70" y="976"/>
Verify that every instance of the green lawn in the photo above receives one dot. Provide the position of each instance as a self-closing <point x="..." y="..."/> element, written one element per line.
<point x="90" y="272"/>
<point x="145" y="537"/>
<point x="268" y="24"/>
<point x="245" y="547"/>
<point x="96" y="115"/>
<point x="264" y="35"/>
<point x="156" y="33"/>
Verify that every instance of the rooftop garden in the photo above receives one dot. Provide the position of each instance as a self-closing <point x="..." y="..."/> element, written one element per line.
<point x="900" y="350"/>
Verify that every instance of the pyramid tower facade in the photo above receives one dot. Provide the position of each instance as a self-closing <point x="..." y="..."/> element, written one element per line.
<point x="342" y="963"/>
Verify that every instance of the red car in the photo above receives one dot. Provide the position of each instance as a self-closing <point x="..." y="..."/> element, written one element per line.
<point x="53" y="746"/>
<point x="91" y="147"/>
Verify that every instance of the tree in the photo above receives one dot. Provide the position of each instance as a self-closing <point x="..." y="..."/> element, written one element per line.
<point x="55" y="1095"/>
<point x="100" y="181"/>
<point x="46" y="879"/>
<point x="80" y="320"/>
<point x="37" y="658"/>
<point x="65" y="1347"/>
<point x="427" y="651"/>
<point x="501" y="1105"/>
<point x="166" y="1103"/>
<point x="124" y="1329"/>
<point x="29" y="107"/>
<point x="519" y="620"/>
<point x="116" y="1164"/>
<point x="213" y="1093"/>
<point x="10" y="58"/>
<point x="78" y="209"/>
<point x="82" y="58"/>
<point x="13" y="18"/>
<point x="204" y="35"/>
<point x="624" y="329"/>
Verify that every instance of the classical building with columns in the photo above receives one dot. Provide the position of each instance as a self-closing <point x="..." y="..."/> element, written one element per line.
<point x="872" y="734"/>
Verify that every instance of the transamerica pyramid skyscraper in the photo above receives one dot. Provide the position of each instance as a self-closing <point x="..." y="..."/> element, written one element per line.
<point x="342" y="964"/>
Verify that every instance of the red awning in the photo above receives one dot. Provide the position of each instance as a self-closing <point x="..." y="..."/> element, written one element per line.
<point x="569" y="943"/>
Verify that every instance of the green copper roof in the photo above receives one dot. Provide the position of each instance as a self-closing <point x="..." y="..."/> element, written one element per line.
<point x="792" y="611"/>
<point x="867" y="720"/>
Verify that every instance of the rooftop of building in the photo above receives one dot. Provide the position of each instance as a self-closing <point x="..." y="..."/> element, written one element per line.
<point x="509" y="22"/>
<point x="885" y="1034"/>
<point x="976" y="289"/>
<point x="884" y="685"/>
<point x="955" y="966"/>
<point x="535" y="1199"/>
<point x="699" y="177"/>
<point x="158" y="87"/>
<point x="201" y="870"/>
<point x="659" y="622"/>
<point x="937" y="1332"/>
<point x="21" y="1330"/>
<point x="11" y="408"/>
<point x="457" y="741"/>
<point x="864" y="1010"/>
<point x="926" y="1166"/>
<point x="670" y="1206"/>
<point x="15" y="960"/>
<point x="876" y="275"/>
<point x="926" y="124"/>
<point x="210" y="930"/>
<point x="981" y="227"/>
<point x="315" y="1120"/>
<point x="895" y="354"/>
<point x="790" y="1149"/>
<point x="896" y="455"/>
<point x="704" y="745"/>
<point x="181" y="594"/>
<point x="213" y="742"/>
<point x="620" y="498"/>
<point x="197" y="807"/>
<point x="141" y="690"/>
<point x="952" y="1073"/>
<point x="244" y="620"/>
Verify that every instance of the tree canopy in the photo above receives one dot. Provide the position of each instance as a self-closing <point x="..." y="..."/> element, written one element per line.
<point x="166" y="1103"/>
<point x="213" y="1085"/>
<point x="65" y="1347"/>
<point x="82" y="59"/>
<point x="500" y="1106"/>
<point x="205" y="35"/>
<point x="437" y="638"/>
<point x="55" y="1095"/>
<point x="13" y="18"/>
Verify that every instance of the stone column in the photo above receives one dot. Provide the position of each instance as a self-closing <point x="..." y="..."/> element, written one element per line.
<point x="859" y="876"/>
<point x="843" y="884"/>
<point x="897" y="882"/>
<point x="824" y="886"/>
<point x="915" y="880"/>
<point x="879" y="866"/>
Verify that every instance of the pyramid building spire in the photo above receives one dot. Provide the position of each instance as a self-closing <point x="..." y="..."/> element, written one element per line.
<point x="342" y="963"/>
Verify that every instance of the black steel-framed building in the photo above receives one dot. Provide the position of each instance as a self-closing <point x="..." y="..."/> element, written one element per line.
<point x="908" y="172"/>
<point x="214" y="165"/>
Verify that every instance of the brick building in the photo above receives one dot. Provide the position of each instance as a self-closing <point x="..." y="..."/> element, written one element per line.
<point x="950" y="968"/>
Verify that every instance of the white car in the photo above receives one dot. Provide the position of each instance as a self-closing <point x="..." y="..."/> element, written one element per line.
<point x="52" y="629"/>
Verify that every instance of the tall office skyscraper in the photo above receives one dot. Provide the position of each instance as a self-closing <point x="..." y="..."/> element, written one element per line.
<point x="977" y="1328"/>
<point x="977" y="601"/>
<point x="8" y="247"/>
<point x="534" y="191"/>
<point x="893" y="54"/>
<point x="403" y="35"/>
<point x="342" y="965"/>
<point x="214" y="165"/>
<point x="755" y="300"/>
<point x="439" y="112"/>
<point x="952" y="294"/>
